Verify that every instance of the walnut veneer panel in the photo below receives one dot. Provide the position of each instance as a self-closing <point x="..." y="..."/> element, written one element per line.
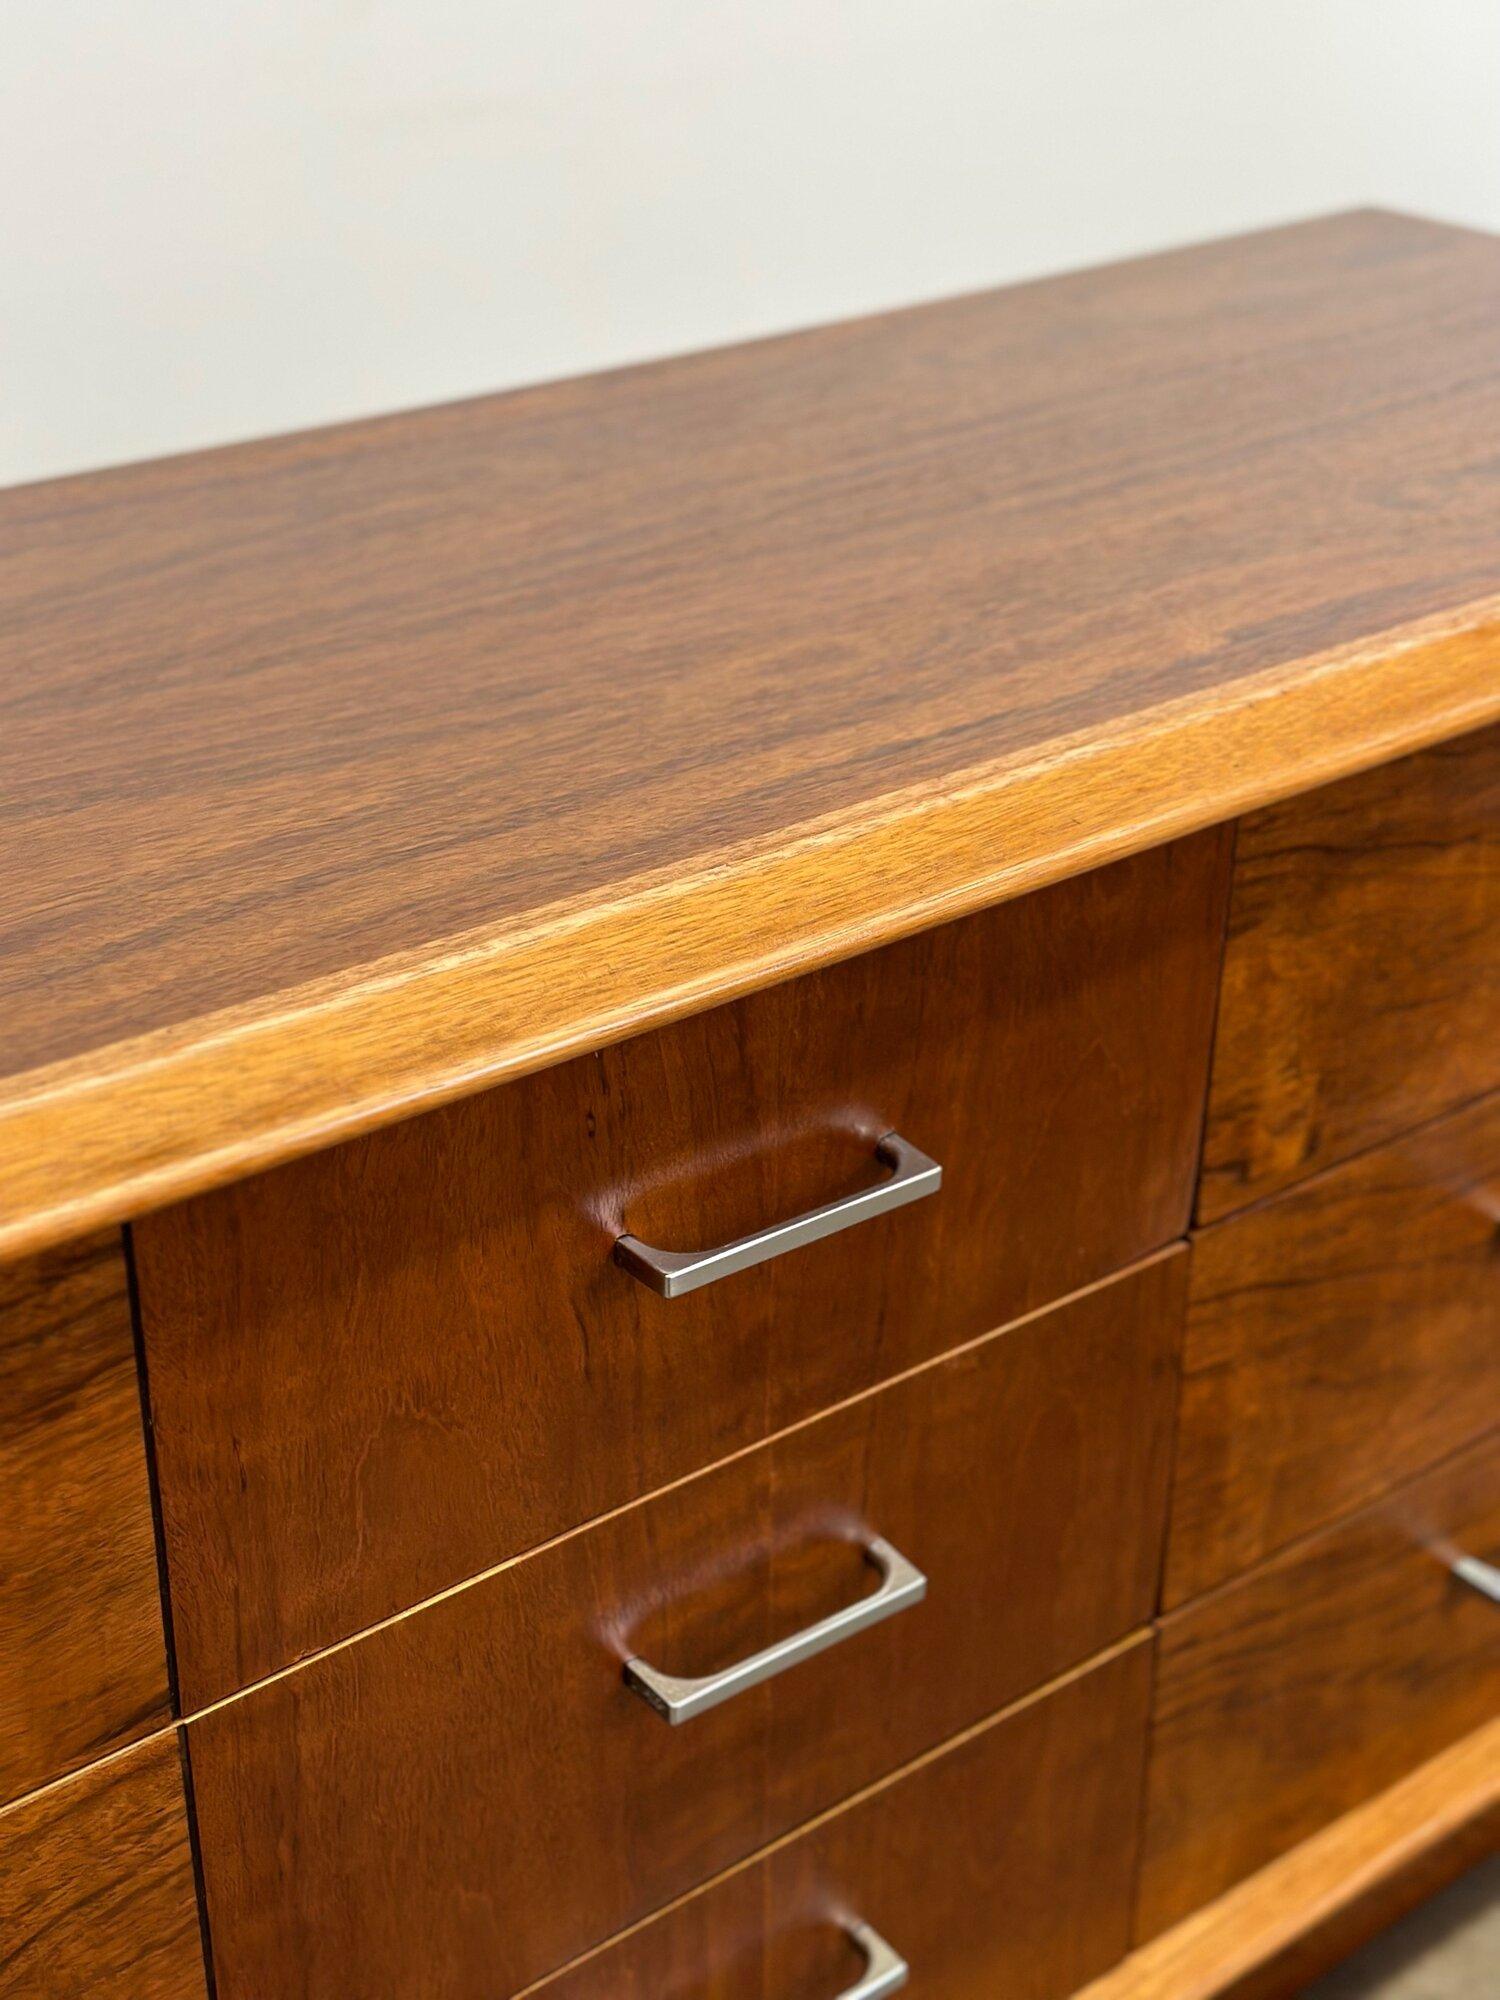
<point x="1306" y="1686"/>
<point x="1362" y="975"/>
<point x="1339" y="1339"/>
<point x="96" y="1886"/>
<point x="82" y="1658"/>
<point x="1003" y="1866"/>
<point x="579" y="707"/>
<point x="380" y="1370"/>
<point x="475" y="1784"/>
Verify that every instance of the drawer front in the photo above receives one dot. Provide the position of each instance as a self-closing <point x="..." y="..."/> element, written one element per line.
<point x="83" y="1665"/>
<point x="96" y="1886"/>
<point x="1340" y="1339"/>
<point x="1361" y="992"/>
<point x="1002" y="1867"/>
<point x="1025" y="1477"/>
<point x="1306" y="1687"/>
<point x="380" y="1370"/>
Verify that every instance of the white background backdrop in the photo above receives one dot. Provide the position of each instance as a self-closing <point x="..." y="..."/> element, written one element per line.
<point x="225" y="217"/>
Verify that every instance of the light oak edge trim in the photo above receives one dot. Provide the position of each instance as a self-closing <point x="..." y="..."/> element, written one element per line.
<point x="101" y="1138"/>
<point x="1211" y="1952"/>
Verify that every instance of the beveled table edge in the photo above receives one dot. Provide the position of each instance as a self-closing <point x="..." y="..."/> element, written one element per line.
<point x="137" y="1124"/>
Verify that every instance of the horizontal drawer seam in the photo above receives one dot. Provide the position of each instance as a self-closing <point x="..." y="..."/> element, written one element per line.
<point x="882" y="1784"/>
<point x="133" y="1748"/>
<point x="1378" y="1145"/>
<point x="1324" y="1528"/>
<point x="1167" y="1250"/>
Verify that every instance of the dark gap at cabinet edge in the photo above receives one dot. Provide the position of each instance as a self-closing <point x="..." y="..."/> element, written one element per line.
<point x="1195" y="1209"/>
<point x="164" y="1592"/>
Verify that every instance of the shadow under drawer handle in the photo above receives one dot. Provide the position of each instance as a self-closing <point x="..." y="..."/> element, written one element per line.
<point x="677" y="1700"/>
<point x="673" y="1272"/>
<point x="884" y="1971"/>
<point x="1478" y="1574"/>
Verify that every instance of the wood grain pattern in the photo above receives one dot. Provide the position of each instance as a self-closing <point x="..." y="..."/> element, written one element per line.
<point x="434" y="1311"/>
<point x="1269" y="1936"/>
<point x="1340" y="1338"/>
<point x="1025" y="1477"/>
<point x="96" y="1886"/>
<point x="1362" y="974"/>
<point x="352" y="771"/>
<point x="1000" y="1866"/>
<point x="1304" y="1688"/>
<point x="82" y="1658"/>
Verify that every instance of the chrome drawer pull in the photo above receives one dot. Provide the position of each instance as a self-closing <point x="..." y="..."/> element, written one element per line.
<point x="884" y="1972"/>
<point x="1479" y="1575"/>
<point x="678" y="1700"/>
<point x="673" y="1272"/>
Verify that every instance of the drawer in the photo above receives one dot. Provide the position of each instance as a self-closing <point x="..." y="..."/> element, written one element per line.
<point x="380" y="1370"/>
<point x="479" y="1771"/>
<point x="1304" y="1688"/>
<point x="1361" y="992"/>
<point x="1001" y="1867"/>
<point x="1340" y="1339"/>
<point x="96" y="1886"/>
<point x="83" y="1664"/>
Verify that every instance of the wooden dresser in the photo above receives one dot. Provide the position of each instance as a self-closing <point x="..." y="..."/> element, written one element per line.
<point x="750" y="1164"/>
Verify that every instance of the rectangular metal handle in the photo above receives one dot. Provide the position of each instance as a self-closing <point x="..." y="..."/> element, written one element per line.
<point x="679" y="1700"/>
<point x="1478" y="1575"/>
<point x="673" y="1272"/>
<point x="885" y="1972"/>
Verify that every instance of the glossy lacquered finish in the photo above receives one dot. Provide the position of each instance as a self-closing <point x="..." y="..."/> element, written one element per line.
<point x="382" y="1370"/>
<point x="478" y="1773"/>
<point x="1340" y="1338"/>
<point x="1361" y="992"/>
<point x="1306" y="1686"/>
<point x="542" y="885"/>
<point x="349" y="773"/>
<point x="999" y="1867"/>
<point x="83" y="1665"/>
<point x="276" y="712"/>
<point x="96" y="1886"/>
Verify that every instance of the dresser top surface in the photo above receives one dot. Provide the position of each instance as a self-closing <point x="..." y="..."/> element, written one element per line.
<point x="304" y="726"/>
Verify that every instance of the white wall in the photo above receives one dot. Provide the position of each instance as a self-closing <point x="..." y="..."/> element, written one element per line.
<point x="226" y="217"/>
